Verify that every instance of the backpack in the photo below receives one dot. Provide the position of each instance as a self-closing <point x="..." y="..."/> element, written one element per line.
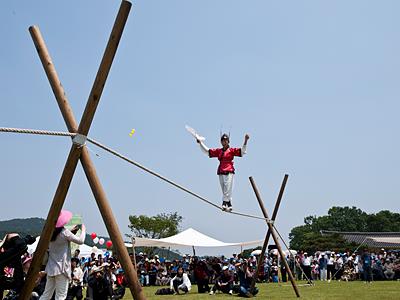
<point x="164" y="291"/>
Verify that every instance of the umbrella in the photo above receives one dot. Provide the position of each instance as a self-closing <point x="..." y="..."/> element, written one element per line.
<point x="256" y="252"/>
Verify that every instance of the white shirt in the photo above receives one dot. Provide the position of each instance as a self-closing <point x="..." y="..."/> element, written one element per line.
<point x="78" y="275"/>
<point x="186" y="281"/>
<point x="60" y="253"/>
<point x="306" y="261"/>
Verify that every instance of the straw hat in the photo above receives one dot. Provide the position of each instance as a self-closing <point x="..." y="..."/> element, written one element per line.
<point x="63" y="219"/>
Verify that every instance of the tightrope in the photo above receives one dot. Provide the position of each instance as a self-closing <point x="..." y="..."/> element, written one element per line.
<point x="127" y="159"/>
<point x="94" y="142"/>
<point x="38" y="132"/>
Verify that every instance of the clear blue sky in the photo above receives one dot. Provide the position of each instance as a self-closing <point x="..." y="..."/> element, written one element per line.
<point x="314" y="83"/>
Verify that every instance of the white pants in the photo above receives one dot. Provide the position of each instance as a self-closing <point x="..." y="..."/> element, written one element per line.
<point x="59" y="283"/>
<point x="226" y="182"/>
<point x="323" y="273"/>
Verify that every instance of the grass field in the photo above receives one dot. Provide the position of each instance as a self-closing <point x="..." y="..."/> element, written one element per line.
<point x="381" y="290"/>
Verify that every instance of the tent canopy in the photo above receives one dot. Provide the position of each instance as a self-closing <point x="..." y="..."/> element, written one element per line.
<point x="188" y="238"/>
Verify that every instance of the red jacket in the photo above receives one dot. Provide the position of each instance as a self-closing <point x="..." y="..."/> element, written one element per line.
<point x="225" y="159"/>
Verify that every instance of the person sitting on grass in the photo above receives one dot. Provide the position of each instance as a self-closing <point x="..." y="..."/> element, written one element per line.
<point x="245" y="279"/>
<point x="181" y="282"/>
<point x="200" y="272"/>
<point x="224" y="282"/>
<point x="99" y="288"/>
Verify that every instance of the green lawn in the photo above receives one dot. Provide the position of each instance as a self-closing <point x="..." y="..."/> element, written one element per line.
<point x="358" y="290"/>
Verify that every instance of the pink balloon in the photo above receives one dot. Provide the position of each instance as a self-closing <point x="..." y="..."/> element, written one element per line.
<point x="96" y="240"/>
<point x="101" y="241"/>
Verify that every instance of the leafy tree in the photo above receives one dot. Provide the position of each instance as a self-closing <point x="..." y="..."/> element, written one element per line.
<point x="384" y="221"/>
<point x="155" y="227"/>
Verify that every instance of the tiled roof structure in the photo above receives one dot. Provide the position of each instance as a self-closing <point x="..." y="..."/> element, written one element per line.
<point x="370" y="239"/>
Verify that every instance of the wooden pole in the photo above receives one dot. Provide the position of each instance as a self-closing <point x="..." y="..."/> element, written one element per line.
<point x="134" y="252"/>
<point x="274" y="236"/>
<point x="87" y="163"/>
<point x="266" y="240"/>
<point x="90" y="172"/>
<point x="52" y="216"/>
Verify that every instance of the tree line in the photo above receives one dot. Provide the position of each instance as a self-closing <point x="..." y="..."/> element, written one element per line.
<point x="308" y="236"/>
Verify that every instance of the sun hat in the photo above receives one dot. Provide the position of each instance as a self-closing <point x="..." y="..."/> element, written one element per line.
<point x="63" y="219"/>
<point x="27" y="259"/>
<point x="6" y="237"/>
<point x="224" y="268"/>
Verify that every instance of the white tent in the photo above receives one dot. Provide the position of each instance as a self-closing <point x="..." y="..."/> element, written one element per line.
<point x="189" y="237"/>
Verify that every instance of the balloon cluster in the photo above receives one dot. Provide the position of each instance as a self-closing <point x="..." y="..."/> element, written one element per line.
<point x="100" y="241"/>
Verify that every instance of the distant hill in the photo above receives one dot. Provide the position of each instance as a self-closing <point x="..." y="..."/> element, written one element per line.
<point x="32" y="226"/>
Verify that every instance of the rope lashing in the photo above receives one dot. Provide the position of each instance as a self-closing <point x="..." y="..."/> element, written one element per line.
<point x="81" y="141"/>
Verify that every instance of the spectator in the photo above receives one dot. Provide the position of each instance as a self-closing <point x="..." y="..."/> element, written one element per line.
<point x="201" y="276"/>
<point x="307" y="266"/>
<point x="323" y="264"/>
<point x="388" y="269"/>
<point x="75" y="287"/>
<point x="274" y="272"/>
<point x="98" y="287"/>
<point x="330" y="266"/>
<point x="58" y="267"/>
<point x="224" y="282"/>
<point x="245" y="279"/>
<point x="338" y="266"/>
<point x="12" y="247"/>
<point x="366" y="260"/>
<point x="181" y="282"/>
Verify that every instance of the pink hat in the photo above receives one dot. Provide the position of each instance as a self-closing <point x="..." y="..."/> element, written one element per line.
<point x="64" y="217"/>
<point x="26" y="260"/>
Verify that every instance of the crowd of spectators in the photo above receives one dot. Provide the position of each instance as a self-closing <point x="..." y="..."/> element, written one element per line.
<point x="102" y="277"/>
<point x="348" y="266"/>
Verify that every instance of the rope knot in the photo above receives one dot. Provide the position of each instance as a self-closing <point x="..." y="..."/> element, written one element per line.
<point x="79" y="139"/>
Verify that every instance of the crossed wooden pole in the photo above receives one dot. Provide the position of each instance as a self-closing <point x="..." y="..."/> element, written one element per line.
<point x="271" y="231"/>
<point x="79" y="152"/>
